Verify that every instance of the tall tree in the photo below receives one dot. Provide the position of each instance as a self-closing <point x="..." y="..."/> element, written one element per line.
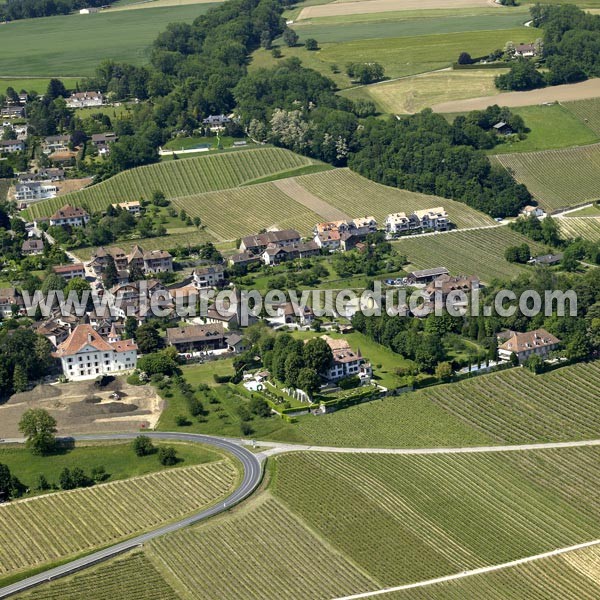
<point x="39" y="428"/>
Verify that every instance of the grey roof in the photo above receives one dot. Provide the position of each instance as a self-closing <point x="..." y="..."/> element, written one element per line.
<point x="430" y="272"/>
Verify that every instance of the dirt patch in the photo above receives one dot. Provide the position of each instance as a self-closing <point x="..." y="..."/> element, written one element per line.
<point x="72" y="185"/>
<point x="558" y="93"/>
<point x="336" y="9"/>
<point x="80" y="407"/>
<point x="294" y="190"/>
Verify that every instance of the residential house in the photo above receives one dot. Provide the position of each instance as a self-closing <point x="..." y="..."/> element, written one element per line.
<point x="197" y="338"/>
<point x="153" y="261"/>
<point x="208" y="277"/>
<point x="349" y="240"/>
<point x="56" y="143"/>
<point x="69" y="215"/>
<point x="70" y="271"/>
<point x="343" y="234"/>
<point x="426" y="275"/>
<point x="444" y="285"/>
<point x="538" y="342"/>
<point x="54" y="331"/>
<point x="102" y="141"/>
<point x="236" y="343"/>
<point x="85" y="100"/>
<point x="547" y="260"/>
<point x="12" y="112"/>
<point x="292" y="313"/>
<point x="328" y="240"/>
<point x="157" y="261"/>
<point x="9" y="298"/>
<point x="532" y="211"/>
<point x="11" y="146"/>
<point x="216" y="122"/>
<point x="525" y="50"/>
<point x="32" y="246"/>
<point x="274" y="255"/>
<point x="433" y="218"/>
<point x="398" y="223"/>
<point x="258" y="243"/>
<point x="346" y="362"/>
<point x="35" y="190"/>
<point x="42" y="175"/>
<point x="85" y="354"/>
<point x="243" y="259"/>
<point x="133" y="207"/>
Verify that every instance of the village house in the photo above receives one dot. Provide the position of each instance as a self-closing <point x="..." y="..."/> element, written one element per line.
<point x="35" y="190"/>
<point x="102" y="141"/>
<point x="85" y="354"/>
<point x="349" y="240"/>
<point x="538" y="342"/>
<point x="275" y="255"/>
<point x="346" y="362"/>
<point x="426" y="275"/>
<point x="197" y="338"/>
<point x="291" y="313"/>
<point x="343" y="234"/>
<point x="32" y="246"/>
<point x="157" y="261"/>
<point x="69" y="215"/>
<point x="444" y="285"/>
<point x="69" y="272"/>
<point x="258" y="243"/>
<point x="85" y="100"/>
<point x="42" y="175"/>
<point x="154" y="261"/>
<point x="208" y="277"/>
<point x="11" y="146"/>
<point x="525" y="50"/>
<point x="54" y="331"/>
<point x="56" y="143"/>
<point x="236" y="343"/>
<point x="133" y="207"/>
<point x="244" y="259"/>
<point x="10" y="298"/>
<point x="328" y="240"/>
<point x="533" y="211"/>
<point x="12" y="112"/>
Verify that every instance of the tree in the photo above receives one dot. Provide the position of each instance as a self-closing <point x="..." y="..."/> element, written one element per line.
<point x="522" y="76"/>
<point x="56" y="89"/>
<point x="5" y="482"/>
<point x="39" y="428"/>
<point x="110" y="277"/>
<point x="159" y="363"/>
<point x="317" y="355"/>
<point x="65" y="480"/>
<point x="260" y="407"/>
<point x="535" y="364"/>
<point x="20" y="381"/>
<point x="42" y="484"/>
<point x="293" y="365"/>
<point x="167" y="456"/>
<point x="136" y="273"/>
<point x="465" y="59"/>
<point x="148" y="338"/>
<point x="579" y="348"/>
<point x="311" y="44"/>
<point x="159" y="199"/>
<point x="197" y="222"/>
<point x="130" y="329"/>
<point x="265" y="39"/>
<point x="309" y="381"/>
<point x="443" y="371"/>
<point x="143" y="446"/>
<point x="514" y="359"/>
<point x="290" y="37"/>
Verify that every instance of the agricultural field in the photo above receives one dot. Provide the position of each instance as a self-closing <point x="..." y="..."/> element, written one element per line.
<point x="357" y="196"/>
<point x="571" y="576"/>
<point x="132" y="577"/>
<point x="413" y="94"/>
<point x="145" y="4"/>
<point x="265" y="551"/>
<point x="586" y="227"/>
<point x="557" y="178"/>
<point x="33" y="84"/>
<point x="179" y="178"/>
<point x="230" y="214"/>
<point x="46" y="52"/>
<point x="409" y="518"/>
<point x="57" y="526"/>
<point x="477" y="252"/>
<point x="587" y="111"/>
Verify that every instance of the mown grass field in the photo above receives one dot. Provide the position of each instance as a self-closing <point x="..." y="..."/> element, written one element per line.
<point x="479" y="252"/>
<point x="359" y="196"/>
<point x="586" y="227"/>
<point x="233" y="213"/>
<point x="74" y="45"/>
<point x="557" y="178"/>
<point x="57" y="526"/>
<point x="132" y="577"/>
<point x="262" y="552"/>
<point x="179" y="178"/>
<point x="409" y="518"/>
<point x="587" y="111"/>
<point x="572" y="576"/>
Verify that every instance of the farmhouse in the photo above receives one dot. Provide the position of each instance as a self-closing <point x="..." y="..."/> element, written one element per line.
<point x="538" y="342"/>
<point x="9" y="298"/>
<point x="532" y="211"/>
<point x="243" y="259"/>
<point x="502" y="128"/>
<point x="258" y="243"/>
<point x="274" y="255"/>
<point x="525" y="50"/>
<point x="351" y="239"/>
<point x="35" y="190"/>
<point x="346" y="362"/>
<point x="197" y="338"/>
<point x="445" y="285"/>
<point x="208" y="277"/>
<point x="69" y="215"/>
<point x="85" y="354"/>
<point x="70" y="271"/>
<point x="85" y="99"/>
<point x="32" y="246"/>
<point x="11" y="146"/>
<point x="547" y="260"/>
<point x="426" y="275"/>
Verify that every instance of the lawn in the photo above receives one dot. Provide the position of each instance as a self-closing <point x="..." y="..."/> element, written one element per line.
<point x="33" y="84"/>
<point x="557" y="178"/>
<point x="74" y="45"/>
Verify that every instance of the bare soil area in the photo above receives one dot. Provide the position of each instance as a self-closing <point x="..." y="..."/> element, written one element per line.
<point x="81" y="407"/>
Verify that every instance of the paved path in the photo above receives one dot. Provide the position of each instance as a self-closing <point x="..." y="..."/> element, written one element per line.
<point x="480" y="571"/>
<point x="252" y="474"/>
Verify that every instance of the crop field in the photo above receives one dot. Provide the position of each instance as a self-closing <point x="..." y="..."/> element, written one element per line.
<point x="409" y="518"/>
<point x="478" y="252"/>
<point x="586" y="227"/>
<point x="557" y="178"/>
<point x="263" y="552"/>
<point x="358" y="196"/>
<point x="55" y="526"/>
<point x="233" y="213"/>
<point x="130" y="578"/>
<point x="33" y="84"/>
<point x="179" y="178"/>
<point x="413" y="94"/>
<point x="571" y="576"/>
<point x="587" y="111"/>
<point x="145" y="4"/>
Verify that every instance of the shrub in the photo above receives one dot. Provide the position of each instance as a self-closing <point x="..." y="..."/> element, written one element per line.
<point x="246" y="428"/>
<point x="182" y="421"/>
<point x="99" y="474"/>
<point x="167" y="456"/>
<point x="311" y="44"/>
<point x="143" y="446"/>
<point x="222" y="378"/>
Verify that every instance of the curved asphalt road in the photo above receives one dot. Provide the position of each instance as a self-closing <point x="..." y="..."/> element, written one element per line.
<point x="252" y="474"/>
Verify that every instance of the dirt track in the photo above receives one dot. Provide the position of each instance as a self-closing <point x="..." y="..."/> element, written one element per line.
<point x="335" y="9"/>
<point x="558" y="93"/>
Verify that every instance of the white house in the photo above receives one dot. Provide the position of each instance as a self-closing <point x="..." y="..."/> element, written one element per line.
<point x="85" y="354"/>
<point x="535" y="211"/>
<point x="69" y="215"/>
<point x="11" y="146"/>
<point x="433" y="218"/>
<point x="85" y="99"/>
<point x="538" y="342"/>
<point x="401" y="223"/>
<point x="346" y="362"/>
<point x="208" y="277"/>
<point x="35" y="190"/>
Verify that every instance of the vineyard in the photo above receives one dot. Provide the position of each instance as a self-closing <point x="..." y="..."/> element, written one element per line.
<point x="587" y="111"/>
<point x="585" y="227"/>
<point x="262" y="553"/>
<point x="234" y="213"/>
<point x="130" y="578"/>
<point x="410" y="518"/>
<point x="52" y="527"/>
<point x="477" y="252"/>
<point x="178" y="178"/>
<point x="359" y="196"/>
<point x="571" y="576"/>
<point x="557" y="178"/>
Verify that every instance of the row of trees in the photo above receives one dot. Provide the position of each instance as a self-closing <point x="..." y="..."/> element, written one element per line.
<point x="13" y="10"/>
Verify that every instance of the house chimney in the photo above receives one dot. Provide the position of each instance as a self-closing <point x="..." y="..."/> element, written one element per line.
<point x="90" y="337"/>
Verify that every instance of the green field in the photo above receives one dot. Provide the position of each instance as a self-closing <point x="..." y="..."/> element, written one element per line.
<point x="587" y="228"/>
<point x="57" y="526"/>
<point x="118" y="459"/>
<point x="74" y="45"/>
<point x="557" y="178"/>
<point x="179" y="178"/>
<point x="359" y="196"/>
<point x="478" y="252"/>
<point x="132" y="577"/>
<point x="234" y="213"/>
<point x="33" y="84"/>
<point x="587" y="111"/>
